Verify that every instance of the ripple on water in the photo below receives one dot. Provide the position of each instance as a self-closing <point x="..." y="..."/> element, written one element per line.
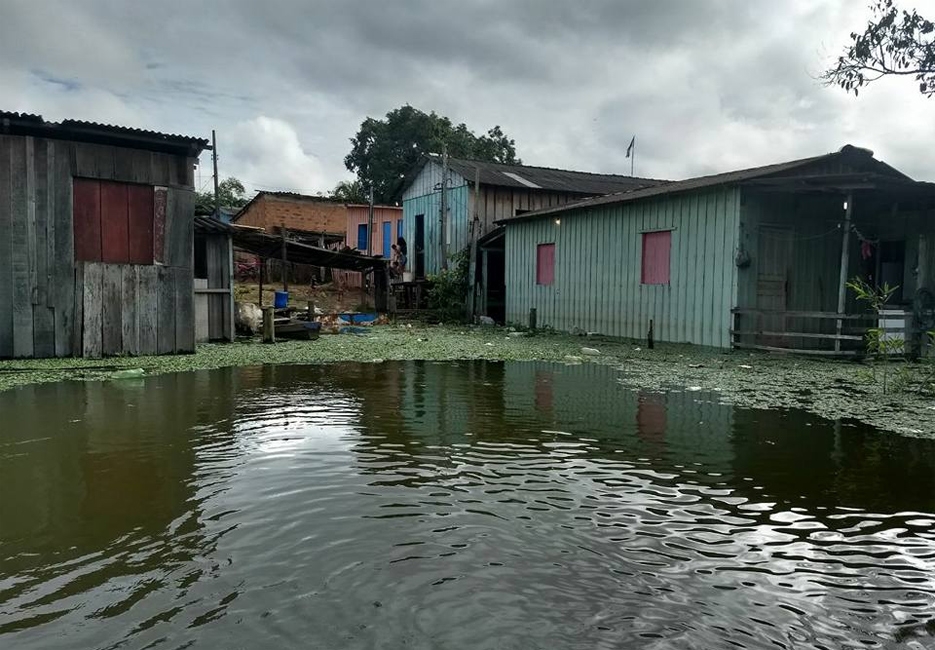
<point x="423" y="505"/>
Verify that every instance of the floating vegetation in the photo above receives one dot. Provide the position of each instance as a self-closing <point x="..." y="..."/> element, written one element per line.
<point x="832" y="389"/>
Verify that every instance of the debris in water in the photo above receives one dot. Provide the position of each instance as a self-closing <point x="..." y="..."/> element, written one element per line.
<point x="696" y="365"/>
<point x="129" y="373"/>
<point x="570" y="358"/>
<point x="745" y="366"/>
<point x="694" y="389"/>
<point x="518" y="334"/>
<point x="591" y="352"/>
<point x="488" y="321"/>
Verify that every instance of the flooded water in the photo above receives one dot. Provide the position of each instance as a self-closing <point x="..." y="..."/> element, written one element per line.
<point x="464" y="505"/>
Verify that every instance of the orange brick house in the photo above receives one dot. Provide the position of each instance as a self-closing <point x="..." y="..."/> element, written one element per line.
<point x="320" y="220"/>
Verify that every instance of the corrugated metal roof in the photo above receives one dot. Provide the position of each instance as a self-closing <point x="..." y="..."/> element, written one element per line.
<point x="547" y="178"/>
<point x="78" y="130"/>
<point x="851" y="153"/>
<point x="129" y="130"/>
<point x="211" y="225"/>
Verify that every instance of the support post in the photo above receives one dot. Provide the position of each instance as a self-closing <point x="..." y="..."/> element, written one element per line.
<point x="217" y="191"/>
<point x="321" y="270"/>
<point x="230" y="283"/>
<point x="532" y="319"/>
<point x="269" y="329"/>
<point x="472" y="263"/>
<point x="310" y="314"/>
<point x="370" y="222"/>
<point x="443" y="213"/>
<point x="845" y="258"/>
<point x="259" y="298"/>
<point x="650" y="340"/>
<point x="285" y="259"/>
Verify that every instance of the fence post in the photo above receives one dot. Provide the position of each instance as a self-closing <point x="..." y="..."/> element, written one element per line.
<point x="269" y="330"/>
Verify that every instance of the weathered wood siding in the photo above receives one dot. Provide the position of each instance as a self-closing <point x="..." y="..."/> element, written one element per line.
<point x="218" y="257"/>
<point x="598" y="262"/>
<point x="46" y="307"/>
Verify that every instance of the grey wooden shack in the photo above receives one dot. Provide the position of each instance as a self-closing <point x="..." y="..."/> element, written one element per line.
<point x="97" y="236"/>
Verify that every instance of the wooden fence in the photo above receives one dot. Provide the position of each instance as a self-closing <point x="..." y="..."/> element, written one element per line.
<point x="779" y="331"/>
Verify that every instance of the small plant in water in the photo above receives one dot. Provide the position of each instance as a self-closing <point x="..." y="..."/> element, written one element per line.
<point x="880" y="344"/>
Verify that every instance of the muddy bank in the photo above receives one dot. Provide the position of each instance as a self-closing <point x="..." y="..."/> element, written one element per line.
<point x="831" y="389"/>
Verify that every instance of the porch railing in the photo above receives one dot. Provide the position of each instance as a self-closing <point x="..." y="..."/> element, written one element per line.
<point x="788" y="331"/>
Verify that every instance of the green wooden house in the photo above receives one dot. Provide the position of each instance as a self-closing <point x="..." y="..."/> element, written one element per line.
<point x="751" y="258"/>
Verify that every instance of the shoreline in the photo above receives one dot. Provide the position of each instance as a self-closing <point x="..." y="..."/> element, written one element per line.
<point x="830" y="389"/>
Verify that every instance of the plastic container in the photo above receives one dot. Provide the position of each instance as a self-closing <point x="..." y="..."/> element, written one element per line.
<point x="281" y="301"/>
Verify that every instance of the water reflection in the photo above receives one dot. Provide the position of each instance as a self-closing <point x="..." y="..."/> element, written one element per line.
<point x="451" y="505"/>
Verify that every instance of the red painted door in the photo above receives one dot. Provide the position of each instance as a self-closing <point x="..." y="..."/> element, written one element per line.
<point x="140" y="220"/>
<point x="114" y="224"/>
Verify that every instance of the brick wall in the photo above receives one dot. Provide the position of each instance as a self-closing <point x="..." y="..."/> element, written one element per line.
<point x="270" y="212"/>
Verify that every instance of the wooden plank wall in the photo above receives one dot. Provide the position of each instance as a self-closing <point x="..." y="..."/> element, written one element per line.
<point x="218" y="263"/>
<point x="51" y="306"/>
<point x="598" y="262"/>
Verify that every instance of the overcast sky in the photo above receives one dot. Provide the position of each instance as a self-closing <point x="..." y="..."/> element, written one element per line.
<point x="705" y="85"/>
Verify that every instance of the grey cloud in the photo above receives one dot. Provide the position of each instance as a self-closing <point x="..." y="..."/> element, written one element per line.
<point x="705" y="85"/>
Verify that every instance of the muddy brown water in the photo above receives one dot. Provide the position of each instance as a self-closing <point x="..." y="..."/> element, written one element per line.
<point x="451" y="505"/>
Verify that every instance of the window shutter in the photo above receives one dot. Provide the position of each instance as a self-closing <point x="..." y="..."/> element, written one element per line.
<point x="545" y="264"/>
<point x="657" y="247"/>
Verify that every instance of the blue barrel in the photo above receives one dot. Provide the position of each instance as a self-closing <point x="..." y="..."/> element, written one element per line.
<point x="281" y="301"/>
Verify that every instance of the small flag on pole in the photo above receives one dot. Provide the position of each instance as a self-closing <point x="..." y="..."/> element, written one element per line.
<point x="630" y="148"/>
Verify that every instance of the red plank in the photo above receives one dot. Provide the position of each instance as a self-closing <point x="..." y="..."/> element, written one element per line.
<point x="114" y="226"/>
<point x="160" y="197"/>
<point x="545" y="264"/>
<point x="140" y="219"/>
<point x="87" y="219"/>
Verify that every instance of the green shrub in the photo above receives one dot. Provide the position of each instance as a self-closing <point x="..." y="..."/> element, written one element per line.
<point x="448" y="295"/>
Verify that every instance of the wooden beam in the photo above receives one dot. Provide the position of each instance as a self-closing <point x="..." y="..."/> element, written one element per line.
<point x="803" y="335"/>
<point x="827" y="315"/>
<point x="822" y="353"/>
<point x="845" y="258"/>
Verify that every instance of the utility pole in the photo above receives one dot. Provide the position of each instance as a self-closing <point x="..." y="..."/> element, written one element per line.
<point x="475" y="233"/>
<point x="443" y="213"/>
<point x="370" y="223"/>
<point x="217" y="191"/>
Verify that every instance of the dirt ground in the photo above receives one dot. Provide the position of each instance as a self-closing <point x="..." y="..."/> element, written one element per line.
<point x="329" y="298"/>
<point x="832" y="389"/>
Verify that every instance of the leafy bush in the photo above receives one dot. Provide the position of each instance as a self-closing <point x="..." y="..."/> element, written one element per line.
<point x="448" y="295"/>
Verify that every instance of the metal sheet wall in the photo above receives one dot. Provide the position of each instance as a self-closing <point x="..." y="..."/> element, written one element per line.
<point x="429" y="205"/>
<point x="598" y="262"/>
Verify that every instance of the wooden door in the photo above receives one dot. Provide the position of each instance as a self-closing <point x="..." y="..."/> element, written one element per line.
<point x="773" y="263"/>
<point x="419" y="246"/>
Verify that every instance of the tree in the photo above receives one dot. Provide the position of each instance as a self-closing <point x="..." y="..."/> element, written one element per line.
<point x="898" y="43"/>
<point x="386" y="152"/>
<point x="349" y="192"/>
<point x="231" y="193"/>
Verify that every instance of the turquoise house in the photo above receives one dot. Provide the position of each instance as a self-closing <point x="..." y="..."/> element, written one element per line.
<point x="489" y="192"/>
<point x="756" y="258"/>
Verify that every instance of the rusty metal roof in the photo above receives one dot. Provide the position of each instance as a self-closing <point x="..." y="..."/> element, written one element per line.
<point x="546" y="178"/>
<point x="849" y="154"/>
<point x="95" y="132"/>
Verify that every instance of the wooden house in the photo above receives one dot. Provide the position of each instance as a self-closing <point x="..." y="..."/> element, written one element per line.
<point x="96" y="252"/>
<point x="387" y="229"/>
<point x="753" y="258"/>
<point x="489" y="192"/>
